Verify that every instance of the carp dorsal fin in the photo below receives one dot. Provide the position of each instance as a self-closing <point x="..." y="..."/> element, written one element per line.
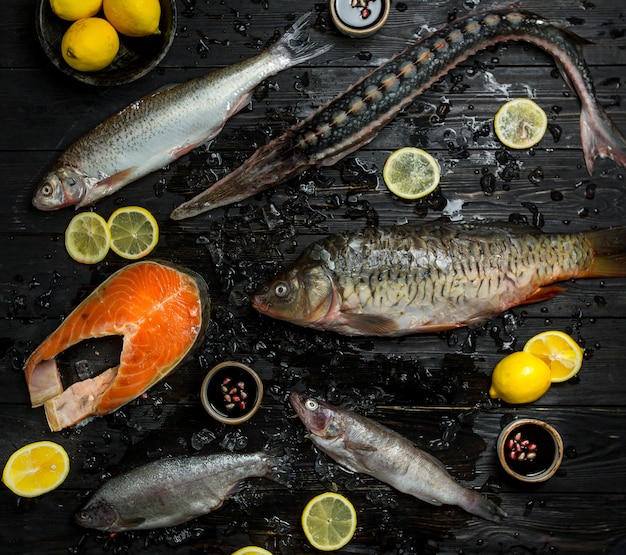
<point x="369" y="324"/>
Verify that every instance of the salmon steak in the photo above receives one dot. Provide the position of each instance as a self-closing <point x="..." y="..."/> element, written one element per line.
<point x="159" y="310"/>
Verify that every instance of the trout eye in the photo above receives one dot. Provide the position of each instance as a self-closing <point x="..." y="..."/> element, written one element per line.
<point x="311" y="404"/>
<point x="281" y="289"/>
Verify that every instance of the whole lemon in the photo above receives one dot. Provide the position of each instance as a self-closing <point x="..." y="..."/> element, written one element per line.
<point x="72" y="10"/>
<point x="90" y="44"/>
<point x="134" y="18"/>
<point x="520" y="378"/>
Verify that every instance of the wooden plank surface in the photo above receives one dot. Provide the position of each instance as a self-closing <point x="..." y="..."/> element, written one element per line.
<point x="431" y="388"/>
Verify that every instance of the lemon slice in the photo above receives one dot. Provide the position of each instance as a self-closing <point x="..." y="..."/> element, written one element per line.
<point x="252" y="550"/>
<point x="329" y="521"/>
<point x="520" y="123"/>
<point x="134" y="232"/>
<point x="36" y="468"/>
<point x="411" y="173"/>
<point x="87" y="238"/>
<point x="520" y="378"/>
<point x="559" y="351"/>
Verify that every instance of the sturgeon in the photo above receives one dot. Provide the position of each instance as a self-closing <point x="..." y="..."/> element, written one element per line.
<point x="355" y="117"/>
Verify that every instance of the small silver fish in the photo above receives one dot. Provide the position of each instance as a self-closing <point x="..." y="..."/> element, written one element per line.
<point x="168" y="492"/>
<point x="163" y="126"/>
<point x="355" y="117"/>
<point x="363" y="445"/>
<point x="397" y="280"/>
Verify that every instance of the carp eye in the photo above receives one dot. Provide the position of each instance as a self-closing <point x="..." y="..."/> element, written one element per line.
<point x="281" y="290"/>
<point x="47" y="190"/>
<point x="311" y="404"/>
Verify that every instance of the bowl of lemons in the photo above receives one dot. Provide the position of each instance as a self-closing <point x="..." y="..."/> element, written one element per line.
<point x="106" y="42"/>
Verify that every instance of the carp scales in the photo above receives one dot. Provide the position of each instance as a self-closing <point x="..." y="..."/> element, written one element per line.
<point x="397" y="280"/>
<point x="159" y="310"/>
<point x="168" y="492"/>
<point x="163" y="126"/>
<point x="355" y="117"/>
<point x="365" y="446"/>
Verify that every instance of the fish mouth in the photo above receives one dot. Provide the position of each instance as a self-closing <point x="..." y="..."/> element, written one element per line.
<point x="297" y="401"/>
<point x="259" y="302"/>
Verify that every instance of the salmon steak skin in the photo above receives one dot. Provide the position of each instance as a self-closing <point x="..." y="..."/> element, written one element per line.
<point x="160" y="310"/>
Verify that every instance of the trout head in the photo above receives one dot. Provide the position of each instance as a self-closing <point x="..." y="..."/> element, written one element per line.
<point x="302" y="295"/>
<point x="62" y="186"/>
<point x="321" y="419"/>
<point x="97" y="514"/>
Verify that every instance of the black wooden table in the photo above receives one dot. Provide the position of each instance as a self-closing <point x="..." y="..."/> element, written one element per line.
<point x="431" y="388"/>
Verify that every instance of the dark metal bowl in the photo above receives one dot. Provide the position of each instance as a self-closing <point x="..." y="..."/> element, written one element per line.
<point x="136" y="57"/>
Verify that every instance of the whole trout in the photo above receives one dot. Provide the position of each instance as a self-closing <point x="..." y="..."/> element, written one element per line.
<point x="163" y="126"/>
<point x="398" y="280"/>
<point x="355" y="117"/>
<point x="363" y="445"/>
<point x="167" y="492"/>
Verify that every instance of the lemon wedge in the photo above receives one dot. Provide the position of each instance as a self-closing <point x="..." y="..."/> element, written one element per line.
<point x="411" y="173"/>
<point x="559" y="351"/>
<point x="87" y="238"/>
<point x="520" y="123"/>
<point x="252" y="550"/>
<point x="329" y="521"/>
<point x="134" y="232"/>
<point x="36" y="468"/>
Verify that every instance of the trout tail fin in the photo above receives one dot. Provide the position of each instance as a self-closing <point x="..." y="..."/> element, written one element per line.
<point x="298" y="46"/>
<point x="609" y="248"/>
<point x="280" y="468"/>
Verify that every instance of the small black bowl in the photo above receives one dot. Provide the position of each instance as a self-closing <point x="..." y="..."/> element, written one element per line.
<point x="136" y="57"/>
<point x="231" y="392"/>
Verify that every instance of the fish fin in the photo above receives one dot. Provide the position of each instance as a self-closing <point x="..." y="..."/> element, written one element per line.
<point x="368" y="323"/>
<point x="429" y="500"/>
<point x="434" y="460"/>
<point x="107" y="186"/>
<point x="609" y="247"/>
<point x="298" y="45"/>
<point x="281" y="470"/>
<point x="600" y="137"/>
<point x="543" y="294"/>
<point x="476" y="504"/>
<point x="181" y="151"/>
<point x="360" y="446"/>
